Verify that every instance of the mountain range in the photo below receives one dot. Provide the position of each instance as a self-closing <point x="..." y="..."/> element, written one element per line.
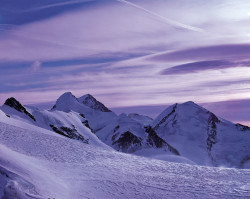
<point x="186" y="133"/>
<point x="81" y="149"/>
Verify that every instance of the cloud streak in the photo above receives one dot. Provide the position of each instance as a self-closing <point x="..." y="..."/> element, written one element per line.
<point x="165" y="19"/>
<point x="229" y="51"/>
<point x="202" y="66"/>
<point x="56" y="5"/>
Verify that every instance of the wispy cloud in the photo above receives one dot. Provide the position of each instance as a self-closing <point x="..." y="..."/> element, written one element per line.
<point x="134" y="86"/>
<point x="165" y="19"/>
<point x="102" y="29"/>
<point x="55" y="5"/>
<point x="229" y="51"/>
<point x="202" y="66"/>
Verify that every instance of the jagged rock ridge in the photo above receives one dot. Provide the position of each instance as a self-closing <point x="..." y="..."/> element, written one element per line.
<point x="127" y="142"/>
<point x="91" y="102"/>
<point x="211" y="130"/>
<point x="69" y="133"/>
<point x="13" y="103"/>
<point x="155" y="141"/>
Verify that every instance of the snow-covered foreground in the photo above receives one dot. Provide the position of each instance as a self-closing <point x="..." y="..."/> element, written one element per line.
<point x="37" y="163"/>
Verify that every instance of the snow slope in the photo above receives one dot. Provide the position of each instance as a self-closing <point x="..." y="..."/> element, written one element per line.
<point x="202" y="137"/>
<point x="143" y="119"/>
<point x="35" y="163"/>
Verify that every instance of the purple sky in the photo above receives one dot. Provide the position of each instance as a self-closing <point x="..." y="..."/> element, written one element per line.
<point x="128" y="53"/>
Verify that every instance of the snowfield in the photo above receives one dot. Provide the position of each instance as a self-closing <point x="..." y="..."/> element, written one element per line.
<point x="38" y="163"/>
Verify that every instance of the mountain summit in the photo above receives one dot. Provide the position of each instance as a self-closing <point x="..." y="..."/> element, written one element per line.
<point x="95" y="113"/>
<point x="14" y="104"/>
<point x="65" y="102"/>
<point x="203" y="137"/>
<point x="91" y="102"/>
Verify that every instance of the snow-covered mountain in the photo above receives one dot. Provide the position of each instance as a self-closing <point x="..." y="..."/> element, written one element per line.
<point x="184" y="133"/>
<point x="203" y="137"/>
<point x="69" y="124"/>
<point x="39" y="164"/>
<point x="96" y="117"/>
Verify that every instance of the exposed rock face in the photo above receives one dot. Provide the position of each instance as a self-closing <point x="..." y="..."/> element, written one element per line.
<point x="128" y="142"/>
<point x="165" y="118"/>
<point x="69" y="133"/>
<point x="211" y="131"/>
<point x="86" y="123"/>
<point x="91" y="102"/>
<point x="13" y="103"/>
<point x="155" y="141"/>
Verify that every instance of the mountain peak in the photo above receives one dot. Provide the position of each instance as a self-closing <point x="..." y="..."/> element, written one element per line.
<point x="189" y="103"/>
<point x="13" y="103"/>
<point x="184" y="110"/>
<point x="65" y="100"/>
<point x="67" y="94"/>
<point x="91" y="102"/>
<point x="88" y="95"/>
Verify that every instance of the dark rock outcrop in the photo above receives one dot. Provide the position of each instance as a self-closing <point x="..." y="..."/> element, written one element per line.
<point x="86" y="123"/>
<point x="154" y="140"/>
<point x="13" y="103"/>
<point x="211" y="131"/>
<point x="165" y="118"/>
<point x="69" y="133"/>
<point x="128" y="142"/>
